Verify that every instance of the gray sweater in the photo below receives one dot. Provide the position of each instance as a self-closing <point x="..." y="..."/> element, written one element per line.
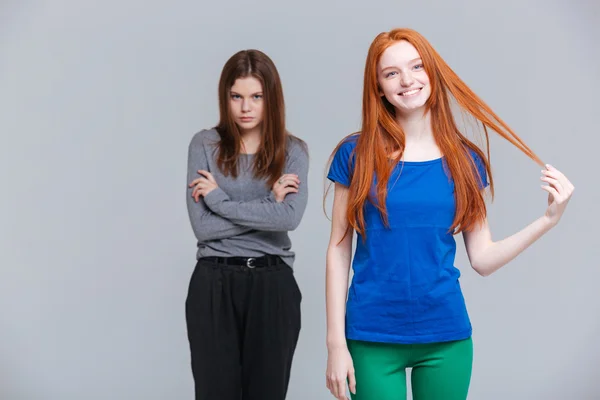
<point x="241" y="216"/>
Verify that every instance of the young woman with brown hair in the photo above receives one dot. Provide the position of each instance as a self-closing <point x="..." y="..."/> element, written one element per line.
<point x="407" y="183"/>
<point x="247" y="188"/>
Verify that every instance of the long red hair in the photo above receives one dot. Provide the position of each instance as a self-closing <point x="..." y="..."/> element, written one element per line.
<point x="381" y="135"/>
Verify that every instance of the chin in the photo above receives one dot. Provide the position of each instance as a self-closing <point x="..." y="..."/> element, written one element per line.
<point x="409" y="108"/>
<point x="247" y="126"/>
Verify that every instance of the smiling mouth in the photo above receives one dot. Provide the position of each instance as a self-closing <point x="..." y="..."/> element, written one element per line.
<point x="410" y="92"/>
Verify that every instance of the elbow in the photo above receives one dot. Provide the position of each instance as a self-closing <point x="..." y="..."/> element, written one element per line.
<point x="289" y="222"/>
<point x="481" y="269"/>
<point x="292" y="224"/>
<point x="202" y="237"/>
<point x="290" y="218"/>
<point x="338" y="259"/>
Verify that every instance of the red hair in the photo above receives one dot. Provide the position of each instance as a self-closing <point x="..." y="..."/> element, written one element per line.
<point x="381" y="135"/>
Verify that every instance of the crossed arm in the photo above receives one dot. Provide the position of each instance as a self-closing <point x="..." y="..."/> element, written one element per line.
<point x="215" y="216"/>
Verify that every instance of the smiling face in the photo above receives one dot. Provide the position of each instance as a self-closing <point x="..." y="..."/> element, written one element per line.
<point x="402" y="78"/>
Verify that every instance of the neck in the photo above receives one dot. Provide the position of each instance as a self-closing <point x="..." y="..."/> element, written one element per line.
<point x="416" y="125"/>
<point x="251" y="140"/>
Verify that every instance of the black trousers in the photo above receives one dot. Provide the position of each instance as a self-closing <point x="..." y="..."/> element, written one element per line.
<point x="243" y="323"/>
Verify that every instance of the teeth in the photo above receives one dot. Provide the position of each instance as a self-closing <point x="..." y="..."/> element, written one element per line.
<point x="409" y="92"/>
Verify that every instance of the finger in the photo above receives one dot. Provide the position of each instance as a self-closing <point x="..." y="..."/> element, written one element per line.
<point x="330" y="386"/>
<point x="289" y="190"/>
<point x="553" y="174"/>
<point x="554" y="183"/>
<point x="342" y="389"/>
<point x="352" y="381"/>
<point x="196" y="181"/>
<point x="198" y="190"/>
<point x="207" y="175"/>
<point x="197" y="194"/>
<point x="200" y="184"/>
<point x="288" y="181"/>
<point x="552" y="191"/>
<point x="290" y="177"/>
<point x="565" y="182"/>
<point x="552" y="168"/>
<point x="334" y="388"/>
<point x="291" y="184"/>
<point x="294" y="178"/>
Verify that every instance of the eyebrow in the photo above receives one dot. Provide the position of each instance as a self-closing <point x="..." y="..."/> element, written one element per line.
<point x="411" y="61"/>
<point x="253" y="94"/>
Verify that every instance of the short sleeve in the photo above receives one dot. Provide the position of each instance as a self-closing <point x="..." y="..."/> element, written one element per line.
<point x="341" y="167"/>
<point x="482" y="174"/>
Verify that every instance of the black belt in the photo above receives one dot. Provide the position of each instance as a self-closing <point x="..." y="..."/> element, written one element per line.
<point x="250" y="262"/>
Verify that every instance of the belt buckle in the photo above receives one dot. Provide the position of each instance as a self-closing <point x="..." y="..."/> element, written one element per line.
<point x="250" y="262"/>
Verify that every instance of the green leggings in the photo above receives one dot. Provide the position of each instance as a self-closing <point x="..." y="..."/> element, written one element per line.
<point x="439" y="370"/>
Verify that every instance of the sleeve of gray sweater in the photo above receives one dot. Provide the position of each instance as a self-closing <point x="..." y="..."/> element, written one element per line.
<point x="266" y="214"/>
<point x="205" y="223"/>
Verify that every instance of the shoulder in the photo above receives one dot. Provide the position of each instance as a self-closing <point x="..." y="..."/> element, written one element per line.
<point x="342" y="160"/>
<point x="349" y="142"/>
<point x="347" y="145"/>
<point x="479" y="162"/>
<point x="205" y="137"/>
<point x="296" y="147"/>
<point x="477" y="156"/>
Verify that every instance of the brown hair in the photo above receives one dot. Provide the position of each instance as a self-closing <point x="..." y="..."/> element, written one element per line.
<point x="270" y="159"/>
<point x="381" y="135"/>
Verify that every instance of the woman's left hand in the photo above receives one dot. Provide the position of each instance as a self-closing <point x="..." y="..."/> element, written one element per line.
<point x="559" y="189"/>
<point x="203" y="185"/>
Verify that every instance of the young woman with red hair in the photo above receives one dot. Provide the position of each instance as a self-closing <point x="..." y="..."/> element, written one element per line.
<point x="407" y="183"/>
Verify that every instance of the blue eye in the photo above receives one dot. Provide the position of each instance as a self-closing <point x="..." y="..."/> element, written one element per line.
<point x="258" y="96"/>
<point x="390" y="74"/>
<point x="419" y="66"/>
<point x="235" y="96"/>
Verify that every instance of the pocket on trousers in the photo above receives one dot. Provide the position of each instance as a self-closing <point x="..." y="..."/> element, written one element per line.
<point x="292" y="284"/>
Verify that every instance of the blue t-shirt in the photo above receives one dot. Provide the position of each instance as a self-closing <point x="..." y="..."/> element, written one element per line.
<point x="405" y="287"/>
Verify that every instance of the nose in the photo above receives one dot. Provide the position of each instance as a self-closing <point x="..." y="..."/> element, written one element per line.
<point x="245" y="105"/>
<point x="406" y="79"/>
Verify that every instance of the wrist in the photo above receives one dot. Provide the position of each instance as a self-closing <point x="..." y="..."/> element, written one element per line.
<point x="215" y="197"/>
<point x="336" y="344"/>
<point x="211" y="190"/>
<point x="549" y="222"/>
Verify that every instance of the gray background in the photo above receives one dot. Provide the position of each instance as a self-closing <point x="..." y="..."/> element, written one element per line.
<point x="99" y="101"/>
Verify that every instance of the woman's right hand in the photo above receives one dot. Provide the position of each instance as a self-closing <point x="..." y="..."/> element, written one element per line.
<point x="340" y="369"/>
<point x="287" y="183"/>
